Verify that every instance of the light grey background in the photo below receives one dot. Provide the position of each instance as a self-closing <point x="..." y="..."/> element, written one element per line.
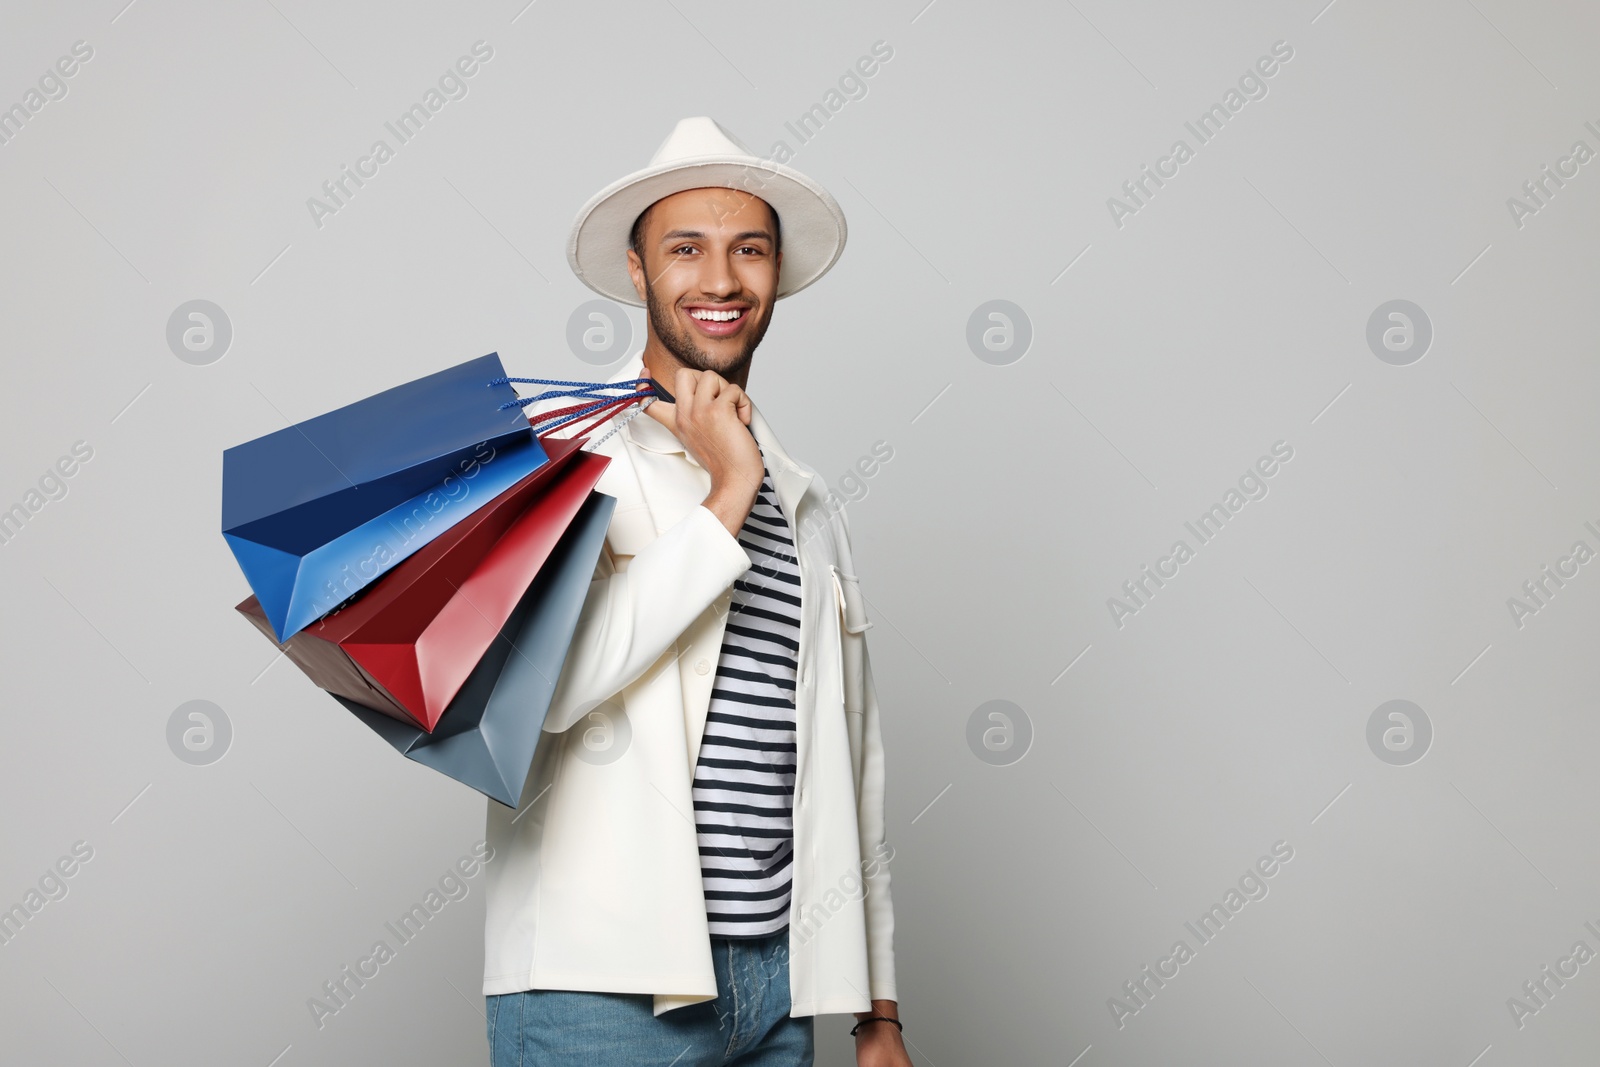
<point x="1168" y="354"/>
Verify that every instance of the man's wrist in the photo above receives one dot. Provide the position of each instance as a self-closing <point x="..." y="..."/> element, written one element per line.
<point x="729" y="507"/>
<point x="886" y="1009"/>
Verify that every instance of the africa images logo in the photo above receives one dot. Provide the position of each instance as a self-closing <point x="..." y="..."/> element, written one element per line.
<point x="1252" y="886"/>
<point x="1252" y="85"/>
<point x="1139" y="591"/>
<point x="453" y="886"/>
<point x="341" y="188"/>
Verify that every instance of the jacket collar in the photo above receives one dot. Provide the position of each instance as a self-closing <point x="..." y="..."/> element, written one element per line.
<point x="789" y="477"/>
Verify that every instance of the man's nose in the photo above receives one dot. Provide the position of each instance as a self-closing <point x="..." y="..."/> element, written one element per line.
<point x="718" y="277"/>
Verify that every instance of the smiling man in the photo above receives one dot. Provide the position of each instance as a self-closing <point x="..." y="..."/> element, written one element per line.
<point x="699" y="868"/>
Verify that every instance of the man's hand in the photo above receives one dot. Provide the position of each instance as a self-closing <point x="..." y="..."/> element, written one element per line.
<point x="712" y="419"/>
<point x="880" y="1044"/>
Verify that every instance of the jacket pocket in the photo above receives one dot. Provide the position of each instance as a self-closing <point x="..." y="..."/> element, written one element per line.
<point x="852" y="606"/>
<point x="852" y="622"/>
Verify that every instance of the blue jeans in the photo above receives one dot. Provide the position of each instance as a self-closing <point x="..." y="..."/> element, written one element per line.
<point x="747" y="1024"/>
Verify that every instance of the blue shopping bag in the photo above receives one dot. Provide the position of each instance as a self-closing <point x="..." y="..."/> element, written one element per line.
<point x="317" y="511"/>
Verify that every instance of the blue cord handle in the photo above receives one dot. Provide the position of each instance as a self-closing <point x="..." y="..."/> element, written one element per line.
<point x="585" y="390"/>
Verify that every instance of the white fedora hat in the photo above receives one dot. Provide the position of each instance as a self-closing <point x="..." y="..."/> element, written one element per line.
<point x="701" y="154"/>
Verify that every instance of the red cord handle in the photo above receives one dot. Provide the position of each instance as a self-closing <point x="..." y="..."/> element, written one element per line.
<point x="601" y="415"/>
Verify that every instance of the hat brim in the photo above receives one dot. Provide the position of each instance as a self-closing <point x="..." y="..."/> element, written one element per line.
<point x="813" y="224"/>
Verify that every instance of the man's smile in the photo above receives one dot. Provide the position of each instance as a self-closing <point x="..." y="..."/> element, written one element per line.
<point x="718" y="320"/>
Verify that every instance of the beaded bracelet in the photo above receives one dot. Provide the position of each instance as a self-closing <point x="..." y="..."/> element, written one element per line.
<point x="876" y="1019"/>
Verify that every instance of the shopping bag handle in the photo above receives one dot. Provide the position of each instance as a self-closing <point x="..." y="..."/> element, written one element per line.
<point x="607" y="411"/>
<point x="603" y="405"/>
<point x="582" y="389"/>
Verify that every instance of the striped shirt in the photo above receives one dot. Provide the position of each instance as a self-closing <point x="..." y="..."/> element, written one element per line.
<point x="744" y="778"/>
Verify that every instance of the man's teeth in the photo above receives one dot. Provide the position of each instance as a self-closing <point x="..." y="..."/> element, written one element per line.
<point x="714" y="316"/>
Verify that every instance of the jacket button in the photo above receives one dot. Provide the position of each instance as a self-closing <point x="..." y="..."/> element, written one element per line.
<point x="702" y="667"/>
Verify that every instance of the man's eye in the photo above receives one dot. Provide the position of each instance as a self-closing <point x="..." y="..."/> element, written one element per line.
<point x="681" y="249"/>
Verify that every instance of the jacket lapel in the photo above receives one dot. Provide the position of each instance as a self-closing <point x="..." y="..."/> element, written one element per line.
<point x="789" y="479"/>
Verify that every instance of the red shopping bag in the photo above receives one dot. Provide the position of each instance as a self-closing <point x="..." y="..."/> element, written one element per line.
<point x="407" y="643"/>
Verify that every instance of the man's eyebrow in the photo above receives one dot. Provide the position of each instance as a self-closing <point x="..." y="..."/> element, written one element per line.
<point x="699" y="235"/>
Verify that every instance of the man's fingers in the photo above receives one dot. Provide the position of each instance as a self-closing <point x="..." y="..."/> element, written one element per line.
<point x="739" y="400"/>
<point x="726" y="392"/>
<point x="683" y="390"/>
<point x="696" y="392"/>
<point x="709" y="386"/>
<point x="664" y="413"/>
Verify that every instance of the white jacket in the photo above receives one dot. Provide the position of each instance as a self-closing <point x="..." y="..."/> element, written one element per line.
<point x="595" y="882"/>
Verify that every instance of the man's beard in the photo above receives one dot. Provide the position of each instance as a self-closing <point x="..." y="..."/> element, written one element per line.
<point x="682" y="345"/>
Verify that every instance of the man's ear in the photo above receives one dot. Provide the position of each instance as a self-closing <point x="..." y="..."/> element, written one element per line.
<point x="636" y="273"/>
